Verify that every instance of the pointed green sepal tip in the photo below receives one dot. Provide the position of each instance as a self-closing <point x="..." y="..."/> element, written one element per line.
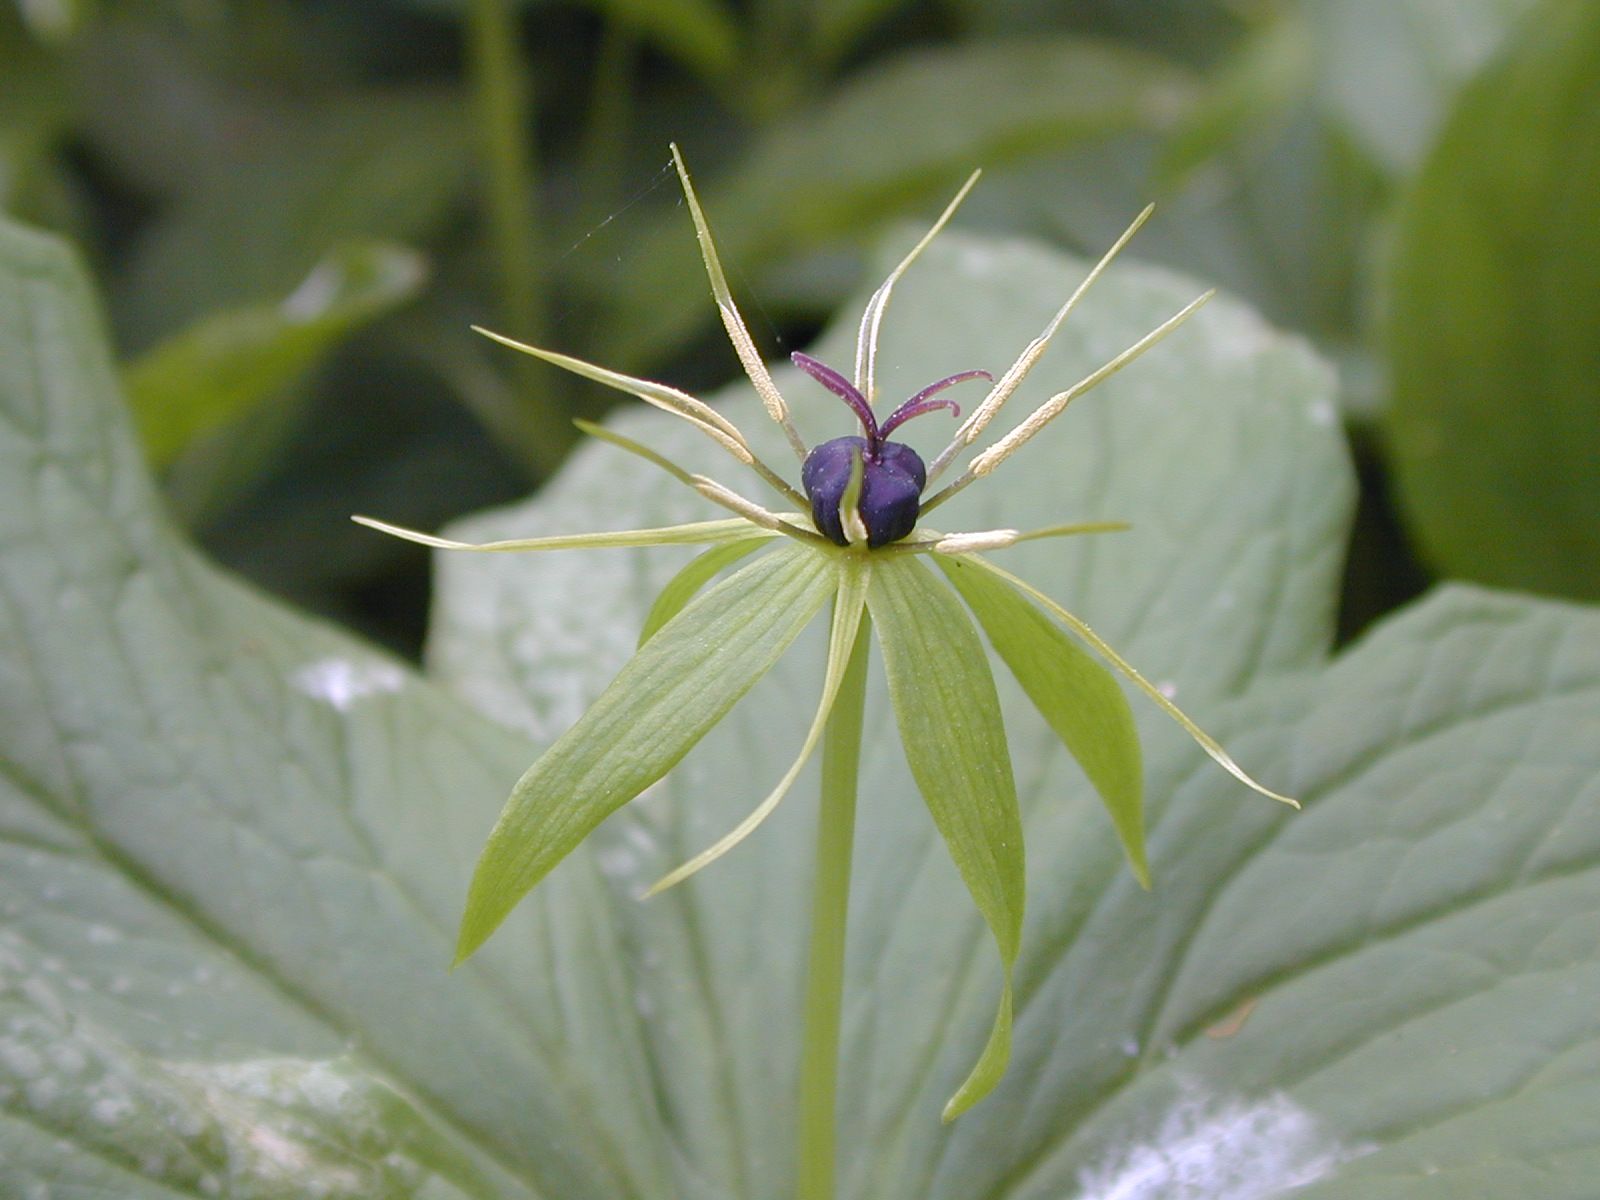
<point x="991" y="1065"/>
<point x="948" y="712"/>
<point x="1079" y="628"/>
<point x="464" y="950"/>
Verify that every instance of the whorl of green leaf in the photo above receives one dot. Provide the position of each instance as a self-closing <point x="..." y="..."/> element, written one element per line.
<point x="680" y="684"/>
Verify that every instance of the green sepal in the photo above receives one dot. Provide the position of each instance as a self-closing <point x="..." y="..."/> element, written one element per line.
<point x="849" y="608"/>
<point x="668" y="696"/>
<point x="686" y="584"/>
<point x="1078" y="698"/>
<point x="955" y="743"/>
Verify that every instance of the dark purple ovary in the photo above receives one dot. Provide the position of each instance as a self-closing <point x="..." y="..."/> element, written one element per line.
<point x="892" y="475"/>
<point x="891" y="488"/>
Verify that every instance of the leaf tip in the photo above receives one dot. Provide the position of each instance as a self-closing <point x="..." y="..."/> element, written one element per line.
<point x="1141" y="872"/>
<point x="477" y="924"/>
<point x="466" y="947"/>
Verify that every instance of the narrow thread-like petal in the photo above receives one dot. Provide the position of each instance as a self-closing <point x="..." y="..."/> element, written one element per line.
<point x="697" y="532"/>
<point x="872" y="317"/>
<point x="1206" y="742"/>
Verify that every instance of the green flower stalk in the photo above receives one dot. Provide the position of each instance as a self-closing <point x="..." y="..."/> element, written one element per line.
<point x="852" y="535"/>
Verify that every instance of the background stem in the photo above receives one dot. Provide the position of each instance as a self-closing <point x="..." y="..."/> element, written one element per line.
<point x="830" y="900"/>
<point x="503" y="97"/>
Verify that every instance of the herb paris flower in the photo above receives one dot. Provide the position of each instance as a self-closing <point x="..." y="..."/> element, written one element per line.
<point x="851" y="537"/>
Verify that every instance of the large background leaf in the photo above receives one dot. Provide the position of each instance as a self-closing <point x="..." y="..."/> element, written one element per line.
<point x="1442" y="764"/>
<point x="233" y="848"/>
<point x="234" y="842"/>
<point x="1220" y="447"/>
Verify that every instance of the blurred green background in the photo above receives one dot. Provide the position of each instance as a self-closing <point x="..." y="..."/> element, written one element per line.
<point x="298" y="208"/>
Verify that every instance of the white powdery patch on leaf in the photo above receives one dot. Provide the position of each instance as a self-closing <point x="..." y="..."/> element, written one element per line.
<point x="321" y="1129"/>
<point x="341" y="682"/>
<point x="1212" y="1147"/>
<point x="531" y="643"/>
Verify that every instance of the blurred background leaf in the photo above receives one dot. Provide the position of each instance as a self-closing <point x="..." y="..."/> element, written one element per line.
<point x="1494" y="321"/>
<point x="888" y="141"/>
<point x="1389" y="70"/>
<point x="227" y="363"/>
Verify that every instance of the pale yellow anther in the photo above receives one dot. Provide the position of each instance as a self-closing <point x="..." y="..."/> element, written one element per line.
<point x="1008" y="383"/>
<point x="669" y="399"/>
<point x="971" y="543"/>
<point x="743" y="344"/>
<point x="1057" y="404"/>
<point x="750" y="510"/>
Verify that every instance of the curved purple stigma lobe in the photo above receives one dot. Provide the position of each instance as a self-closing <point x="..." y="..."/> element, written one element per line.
<point x="920" y="403"/>
<point x="845" y="390"/>
<point x="908" y="410"/>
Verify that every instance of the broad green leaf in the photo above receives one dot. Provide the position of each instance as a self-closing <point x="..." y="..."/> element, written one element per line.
<point x="686" y="584"/>
<point x="228" y="363"/>
<point x="949" y="721"/>
<point x="1494" y="321"/>
<point x="233" y="845"/>
<point x="871" y="151"/>
<point x="1073" y="692"/>
<point x="680" y="683"/>
<point x="1386" y="995"/>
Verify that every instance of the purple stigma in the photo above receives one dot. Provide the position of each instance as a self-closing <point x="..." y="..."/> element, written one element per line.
<point x="846" y="391"/>
<point x="923" y="403"/>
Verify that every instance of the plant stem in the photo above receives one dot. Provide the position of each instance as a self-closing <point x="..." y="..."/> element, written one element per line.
<point x="830" y="902"/>
<point x="504" y="102"/>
